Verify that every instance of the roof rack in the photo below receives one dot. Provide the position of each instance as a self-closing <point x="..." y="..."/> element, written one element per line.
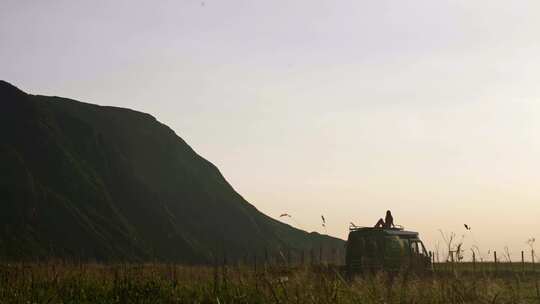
<point x="353" y="227"/>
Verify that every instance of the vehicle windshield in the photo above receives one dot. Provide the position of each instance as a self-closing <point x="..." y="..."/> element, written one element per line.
<point x="424" y="251"/>
<point x="417" y="248"/>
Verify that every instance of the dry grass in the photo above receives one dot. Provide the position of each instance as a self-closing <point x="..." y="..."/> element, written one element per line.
<point x="163" y="283"/>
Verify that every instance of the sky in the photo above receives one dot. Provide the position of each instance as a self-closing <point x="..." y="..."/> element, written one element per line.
<point x="429" y="108"/>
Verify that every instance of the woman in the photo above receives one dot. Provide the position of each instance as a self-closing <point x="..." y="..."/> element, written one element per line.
<point x="388" y="221"/>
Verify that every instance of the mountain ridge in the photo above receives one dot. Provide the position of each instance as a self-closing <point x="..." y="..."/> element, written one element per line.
<point x="124" y="184"/>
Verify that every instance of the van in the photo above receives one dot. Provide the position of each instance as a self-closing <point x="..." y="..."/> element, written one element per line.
<point x="391" y="250"/>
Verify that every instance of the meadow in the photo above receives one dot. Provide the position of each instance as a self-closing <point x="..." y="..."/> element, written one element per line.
<point x="60" y="282"/>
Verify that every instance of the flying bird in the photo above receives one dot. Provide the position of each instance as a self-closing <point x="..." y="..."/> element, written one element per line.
<point x="323" y="221"/>
<point x="285" y="214"/>
<point x="467" y="227"/>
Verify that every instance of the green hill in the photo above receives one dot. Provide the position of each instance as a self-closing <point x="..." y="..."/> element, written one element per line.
<point x="103" y="183"/>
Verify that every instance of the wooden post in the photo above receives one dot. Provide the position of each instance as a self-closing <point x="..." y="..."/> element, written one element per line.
<point x="288" y="257"/>
<point x="255" y="262"/>
<point x="255" y="275"/>
<point x="216" y="274"/>
<point x="432" y="260"/>
<point x="495" y="260"/>
<point x="522" y="261"/>
<point x="532" y="259"/>
<point x="474" y="262"/>
<point x="452" y="260"/>
<point x="224" y="270"/>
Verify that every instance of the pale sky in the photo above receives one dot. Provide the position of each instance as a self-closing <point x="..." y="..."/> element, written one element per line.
<point x="342" y="108"/>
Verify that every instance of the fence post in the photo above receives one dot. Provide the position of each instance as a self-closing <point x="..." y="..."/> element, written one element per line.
<point x="474" y="262"/>
<point x="289" y="257"/>
<point x="265" y="257"/>
<point x="216" y="274"/>
<point x="532" y="259"/>
<point x="224" y="270"/>
<point x="433" y="257"/>
<point x="522" y="262"/>
<point x="452" y="260"/>
<point x="432" y="260"/>
<point x="255" y="275"/>
<point x="495" y="260"/>
<point x="255" y="262"/>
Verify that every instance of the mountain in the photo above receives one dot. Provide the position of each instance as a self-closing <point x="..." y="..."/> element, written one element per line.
<point x="81" y="181"/>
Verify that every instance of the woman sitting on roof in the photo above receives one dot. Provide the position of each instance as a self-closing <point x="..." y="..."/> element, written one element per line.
<point x="387" y="223"/>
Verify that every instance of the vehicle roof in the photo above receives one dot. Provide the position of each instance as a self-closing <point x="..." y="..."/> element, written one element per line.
<point x="378" y="231"/>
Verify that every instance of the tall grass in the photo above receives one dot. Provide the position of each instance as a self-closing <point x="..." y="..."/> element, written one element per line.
<point x="164" y="283"/>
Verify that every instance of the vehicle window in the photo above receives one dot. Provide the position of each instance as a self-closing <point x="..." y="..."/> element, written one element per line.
<point x="414" y="248"/>
<point x="404" y="244"/>
<point x="391" y="245"/>
<point x="423" y="249"/>
<point x="371" y="247"/>
<point x="380" y="246"/>
<point x="359" y="245"/>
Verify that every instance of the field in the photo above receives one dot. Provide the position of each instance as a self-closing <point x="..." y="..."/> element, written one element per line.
<point x="163" y="283"/>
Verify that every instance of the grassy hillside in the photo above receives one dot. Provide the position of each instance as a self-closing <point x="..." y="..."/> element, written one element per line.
<point x="103" y="183"/>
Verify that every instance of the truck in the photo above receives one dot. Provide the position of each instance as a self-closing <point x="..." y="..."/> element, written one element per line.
<point x="370" y="250"/>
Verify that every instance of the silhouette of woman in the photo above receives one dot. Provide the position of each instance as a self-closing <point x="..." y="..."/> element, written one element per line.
<point x="388" y="221"/>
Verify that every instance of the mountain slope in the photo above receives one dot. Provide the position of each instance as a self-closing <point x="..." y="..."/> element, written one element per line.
<point x="105" y="183"/>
